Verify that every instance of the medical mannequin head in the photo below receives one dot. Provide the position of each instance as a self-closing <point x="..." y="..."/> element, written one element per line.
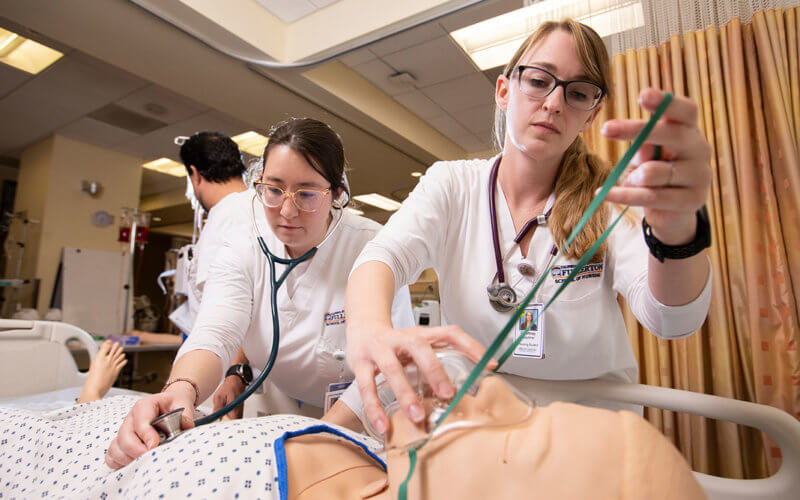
<point x="546" y="130"/>
<point x="304" y="154"/>
<point x="509" y="450"/>
<point x="213" y="161"/>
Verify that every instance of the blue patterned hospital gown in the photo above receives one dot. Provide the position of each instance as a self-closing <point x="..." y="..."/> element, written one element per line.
<point x="60" y="454"/>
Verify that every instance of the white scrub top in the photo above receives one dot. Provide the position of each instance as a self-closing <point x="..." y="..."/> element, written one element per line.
<point x="236" y="310"/>
<point x="229" y="216"/>
<point x="445" y="224"/>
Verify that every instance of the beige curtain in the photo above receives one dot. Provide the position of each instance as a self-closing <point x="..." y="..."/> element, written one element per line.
<point x="746" y="81"/>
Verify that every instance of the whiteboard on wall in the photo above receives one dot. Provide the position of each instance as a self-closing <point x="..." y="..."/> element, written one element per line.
<point x="94" y="290"/>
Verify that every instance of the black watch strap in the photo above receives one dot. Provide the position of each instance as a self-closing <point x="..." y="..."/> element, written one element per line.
<point x="244" y="372"/>
<point x="702" y="240"/>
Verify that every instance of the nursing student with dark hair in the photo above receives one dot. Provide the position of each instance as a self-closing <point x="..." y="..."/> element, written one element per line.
<point x="301" y="196"/>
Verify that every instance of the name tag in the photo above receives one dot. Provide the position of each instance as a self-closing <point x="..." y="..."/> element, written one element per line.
<point x="334" y="392"/>
<point x="532" y="346"/>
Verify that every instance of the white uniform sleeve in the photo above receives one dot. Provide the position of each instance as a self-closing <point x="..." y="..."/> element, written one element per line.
<point x="412" y="239"/>
<point x="629" y="258"/>
<point x="225" y="310"/>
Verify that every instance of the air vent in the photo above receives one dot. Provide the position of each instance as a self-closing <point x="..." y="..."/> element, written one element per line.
<point x="119" y="117"/>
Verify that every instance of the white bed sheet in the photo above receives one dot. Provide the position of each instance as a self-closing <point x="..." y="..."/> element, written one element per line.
<point x="53" y="400"/>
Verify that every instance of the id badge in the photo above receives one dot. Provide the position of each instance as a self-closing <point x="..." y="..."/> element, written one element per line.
<point x="532" y="346"/>
<point x="334" y="392"/>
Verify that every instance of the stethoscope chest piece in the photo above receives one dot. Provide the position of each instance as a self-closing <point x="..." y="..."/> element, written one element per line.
<point x="168" y="425"/>
<point x="502" y="297"/>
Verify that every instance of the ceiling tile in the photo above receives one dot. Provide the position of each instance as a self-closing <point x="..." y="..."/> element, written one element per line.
<point x="161" y="143"/>
<point x="96" y="132"/>
<point x="11" y="78"/>
<point x="477" y="120"/>
<point x="406" y="39"/>
<point x="36" y="116"/>
<point x="288" y="10"/>
<point x="378" y="72"/>
<point x="83" y="83"/>
<point x="357" y="57"/>
<point x="462" y="93"/>
<point x="448" y="126"/>
<point x="419" y="104"/>
<point x="493" y="73"/>
<point x="432" y="62"/>
<point x="161" y="104"/>
<point x="471" y="143"/>
<point x="323" y="3"/>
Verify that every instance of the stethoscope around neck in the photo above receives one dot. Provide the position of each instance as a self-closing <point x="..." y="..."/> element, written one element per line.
<point x="502" y="296"/>
<point x="275" y="285"/>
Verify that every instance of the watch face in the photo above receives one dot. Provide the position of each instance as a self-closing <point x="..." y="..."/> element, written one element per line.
<point x="247" y="372"/>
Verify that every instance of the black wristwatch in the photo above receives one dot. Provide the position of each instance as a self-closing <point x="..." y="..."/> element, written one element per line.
<point x="244" y="372"/>
<point x="702" y="240"/>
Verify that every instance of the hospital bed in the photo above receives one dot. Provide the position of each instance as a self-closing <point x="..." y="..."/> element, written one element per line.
<point x="777" y="424"/>
<point x="35" y="359"/>
<point x="36" y="366"/>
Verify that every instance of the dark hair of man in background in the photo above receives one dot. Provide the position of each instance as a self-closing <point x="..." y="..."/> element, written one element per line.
<point x="215" y="156"/>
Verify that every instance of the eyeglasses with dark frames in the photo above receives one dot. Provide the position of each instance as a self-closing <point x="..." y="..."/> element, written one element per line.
<point x="539" y="83"/>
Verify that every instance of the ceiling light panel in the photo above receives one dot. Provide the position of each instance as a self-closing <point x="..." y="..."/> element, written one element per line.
<point x="25" y="54"/>
<point x="251" y="142"/>
<point x="166" y="166"/>
<point x="379" y="201"/>
<point x="492" y="42"/>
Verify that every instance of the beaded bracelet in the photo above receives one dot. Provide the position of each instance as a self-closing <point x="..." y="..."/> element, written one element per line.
<point x="182" y="379"/>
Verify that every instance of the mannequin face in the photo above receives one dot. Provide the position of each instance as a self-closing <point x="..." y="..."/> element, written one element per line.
<point x="298" y="230"/>
<point x="543" y="128"/>
<point x="561" y="451"/>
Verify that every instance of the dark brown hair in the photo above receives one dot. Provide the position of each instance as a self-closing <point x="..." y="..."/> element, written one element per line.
<point x="319" y="144"/>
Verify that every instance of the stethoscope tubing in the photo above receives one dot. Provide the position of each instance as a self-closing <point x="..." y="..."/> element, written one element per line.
<point x="276" y="326"/>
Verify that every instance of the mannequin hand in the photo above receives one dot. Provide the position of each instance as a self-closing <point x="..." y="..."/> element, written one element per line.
<point x="136" y="436"/>
<point x="230" y="389"/>
<point x="670" y="191"/>
<point x="377" y="348"/>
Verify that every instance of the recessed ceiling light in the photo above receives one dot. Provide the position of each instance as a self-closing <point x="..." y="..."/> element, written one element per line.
<point x="379" y="201"/>
<point x="166" y="166"/>
<point x="492" y="43"/>
<point x="25" y="54"/>
<point x="251" y="142"/>
<point x="354" y="211"/>
<point x="416" y="174"/>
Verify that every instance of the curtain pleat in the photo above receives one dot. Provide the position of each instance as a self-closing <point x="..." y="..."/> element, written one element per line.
<point x="745" y="78"/>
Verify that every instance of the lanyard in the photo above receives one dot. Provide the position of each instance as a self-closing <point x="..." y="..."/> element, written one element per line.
<point x="501" y="337"/>
<point x="539" y="220"/>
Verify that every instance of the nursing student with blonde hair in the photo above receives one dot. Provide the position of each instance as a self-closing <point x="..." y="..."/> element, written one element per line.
<point x="490" y="227"/>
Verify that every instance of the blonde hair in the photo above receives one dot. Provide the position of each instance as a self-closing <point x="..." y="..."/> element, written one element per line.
<point x="581" y="172"/>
